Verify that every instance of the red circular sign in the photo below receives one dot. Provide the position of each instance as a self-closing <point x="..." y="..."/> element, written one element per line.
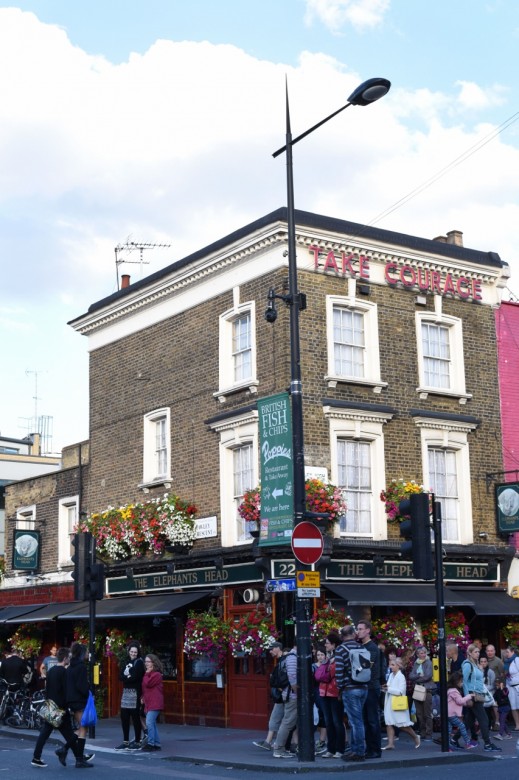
<point x="307" y="542"/>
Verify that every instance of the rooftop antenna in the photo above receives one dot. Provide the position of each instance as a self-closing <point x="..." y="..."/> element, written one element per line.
<point x="133" y="246"/>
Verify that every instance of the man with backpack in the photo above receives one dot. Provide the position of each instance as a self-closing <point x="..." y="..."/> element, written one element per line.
<point x="353" y="673"/>
<point x="289" y="696"/>
<point x="278" y="681"/>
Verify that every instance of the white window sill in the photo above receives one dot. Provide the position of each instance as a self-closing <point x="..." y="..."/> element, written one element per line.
<point x="376" y="384"/>
<point x="462" y="397"/>
<point x="251" y="385"/>
<point x="147" y="486"/>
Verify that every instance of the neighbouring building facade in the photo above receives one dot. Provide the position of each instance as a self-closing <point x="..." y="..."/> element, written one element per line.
<point x="399" y="369"/>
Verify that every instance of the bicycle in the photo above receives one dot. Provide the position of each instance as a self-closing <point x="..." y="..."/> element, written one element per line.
<point x="24" y="709"/>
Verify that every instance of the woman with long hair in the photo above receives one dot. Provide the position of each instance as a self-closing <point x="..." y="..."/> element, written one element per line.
<point x="331" y="701"/>
<point x="422" y="674"/>
<point x="153" y="698"/>
<point x="131" y="672"/>
<point x="474" y="683"/>
<point x="77" y="694"/>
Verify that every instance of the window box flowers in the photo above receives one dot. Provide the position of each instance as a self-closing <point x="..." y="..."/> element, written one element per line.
<point x="252" y="635"/>
<point x="206" y="634"/>
<point x="397" y="491"/>
<point x="135" y="530"/>
<point x="321" y="497"/>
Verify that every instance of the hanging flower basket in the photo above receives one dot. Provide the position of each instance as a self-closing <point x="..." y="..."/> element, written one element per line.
<point x="206" y="634"/>
<point x="81" y="634"/>
<point x="327" y="619"/>
<point x="456" y="630"/>
<point x="397" y="631"/>
<point x="511" y="633"/>
<point x="397" y="491"/>
<point x="117" y="641"/>
<point x="321" y="497"/>
<point x="26" y="641"/>
<point x="135" y="530"/>
<point x="252" y="635"/>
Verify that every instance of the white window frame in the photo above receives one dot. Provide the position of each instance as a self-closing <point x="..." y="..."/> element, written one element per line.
<point x="26" y="518"/>
<point x="66" y="527"/>
<point x="149" y="451"/>
<point x="451" y="435"/>
<point x="234" y="432"/>
<point x="369" y="312"/>
<point x="366" y="426"/>
<point x="227" y="384"/>
<point x="454" y="326"/>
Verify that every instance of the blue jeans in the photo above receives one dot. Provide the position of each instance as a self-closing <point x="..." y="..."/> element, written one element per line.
<point x="455" y="722"/>
<point x="333" y="718"/>
<point x="151" y="725"/>
<point x="354" y="699"/>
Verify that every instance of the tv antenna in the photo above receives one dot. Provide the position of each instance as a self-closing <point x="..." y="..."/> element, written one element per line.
<point x="133" y="246"/>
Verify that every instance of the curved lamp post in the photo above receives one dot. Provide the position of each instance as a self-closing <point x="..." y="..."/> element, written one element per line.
<point x="367" y="92"/>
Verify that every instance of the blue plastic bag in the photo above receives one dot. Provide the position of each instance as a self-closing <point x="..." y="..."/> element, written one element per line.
<point x="89" y="717"/>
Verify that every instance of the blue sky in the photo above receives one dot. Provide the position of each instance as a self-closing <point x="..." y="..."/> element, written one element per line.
<point x="156" y="120"/>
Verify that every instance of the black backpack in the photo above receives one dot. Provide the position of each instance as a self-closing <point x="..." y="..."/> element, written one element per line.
<point x="279" y="676"/>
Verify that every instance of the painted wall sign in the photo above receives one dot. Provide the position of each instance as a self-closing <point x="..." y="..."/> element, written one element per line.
<point x="409" y="275"/>
<point x="393" y="570"/>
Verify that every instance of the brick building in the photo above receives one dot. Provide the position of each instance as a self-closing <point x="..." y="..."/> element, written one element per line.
<point x="400" y="380"/>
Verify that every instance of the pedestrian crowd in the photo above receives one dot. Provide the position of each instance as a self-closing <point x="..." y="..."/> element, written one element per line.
<point x="365" y="697"/>
<point x="69" y="706"/>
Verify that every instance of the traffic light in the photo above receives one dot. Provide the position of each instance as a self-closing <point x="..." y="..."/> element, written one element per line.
<point x="417" y="531"/>
<point x="81" y="559"/>
<point x="88" y="576"/>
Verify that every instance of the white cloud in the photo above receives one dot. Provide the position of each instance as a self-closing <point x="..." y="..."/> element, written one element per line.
<point x="336" y="14"/>
<point x="473" y="96"/>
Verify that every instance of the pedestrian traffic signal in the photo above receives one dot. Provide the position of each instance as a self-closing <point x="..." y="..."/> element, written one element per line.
<point x="417" y="532"/>
<point x="81" y="560"/>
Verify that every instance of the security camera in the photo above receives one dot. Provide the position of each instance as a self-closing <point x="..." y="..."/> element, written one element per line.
<point x="271" y="313"/>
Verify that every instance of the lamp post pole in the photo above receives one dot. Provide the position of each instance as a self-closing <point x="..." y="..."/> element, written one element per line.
<point x="368" y="92"/>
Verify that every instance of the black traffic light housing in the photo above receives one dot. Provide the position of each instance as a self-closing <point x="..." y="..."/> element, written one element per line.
<point x="88" y="576"/>
<point x="417" y="531"/>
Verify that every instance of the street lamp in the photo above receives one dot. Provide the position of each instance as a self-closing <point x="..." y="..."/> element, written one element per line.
<point x="366" y="93"/>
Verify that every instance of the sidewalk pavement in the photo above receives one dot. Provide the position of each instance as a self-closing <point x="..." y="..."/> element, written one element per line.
<point x="234" y="748"/>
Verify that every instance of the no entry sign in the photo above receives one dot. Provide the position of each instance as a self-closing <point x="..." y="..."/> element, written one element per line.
<point x="307" y="543"/>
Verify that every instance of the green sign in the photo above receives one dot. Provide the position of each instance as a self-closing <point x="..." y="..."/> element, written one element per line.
<point x="185" y="578"/>
<point x="277" y="470"/>
<point x="26" y="550"/>
<point x="507" y="507"/>
<point x="392" y="570"/>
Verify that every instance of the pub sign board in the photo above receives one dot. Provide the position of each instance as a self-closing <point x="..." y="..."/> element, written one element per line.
<point x="507" y="507"/>
<point x="26" y="550"/>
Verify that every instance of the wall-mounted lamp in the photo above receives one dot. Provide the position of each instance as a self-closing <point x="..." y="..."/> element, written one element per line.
<point x="218" y="562"/>
<point x="170" y="568"/>
<point x="129" y="572"/>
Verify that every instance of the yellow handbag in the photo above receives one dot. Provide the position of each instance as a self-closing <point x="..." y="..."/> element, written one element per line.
<point x="399" y="703"/>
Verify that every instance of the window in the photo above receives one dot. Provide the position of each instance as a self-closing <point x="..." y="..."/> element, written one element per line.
<point x="157" y="447"/>
<point x="238" y="471"/>
<point x="441" y="367"/>
<point x="243" y="472"/>
<point x="237" y="349"/>
<point x="354" y="469"/>
<point x="357" y="459"/>
<point x="26" y="518"/>
<point x="352" y="341"/>
<point x="242" y="347"/>
<point x="67" y="520"/>
<point x="443" y="476"/>
<point x="446" y="471"/>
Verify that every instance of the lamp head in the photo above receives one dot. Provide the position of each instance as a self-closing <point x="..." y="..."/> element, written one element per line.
<point x="369" y="91"/>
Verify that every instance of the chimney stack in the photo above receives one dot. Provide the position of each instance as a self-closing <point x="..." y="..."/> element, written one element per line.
<point x="125" y="281"/>
<point x="455" y="237"/>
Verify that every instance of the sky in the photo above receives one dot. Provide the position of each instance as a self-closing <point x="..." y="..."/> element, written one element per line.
<point x="154" y="121"/>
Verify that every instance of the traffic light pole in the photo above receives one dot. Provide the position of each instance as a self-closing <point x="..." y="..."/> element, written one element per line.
<point x="440" y="617"/>
<point x="92" y="632"/>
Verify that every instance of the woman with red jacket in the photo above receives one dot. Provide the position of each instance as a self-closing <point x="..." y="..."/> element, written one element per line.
<point x="331" y="702"/>
<point x="153" y="699"/>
